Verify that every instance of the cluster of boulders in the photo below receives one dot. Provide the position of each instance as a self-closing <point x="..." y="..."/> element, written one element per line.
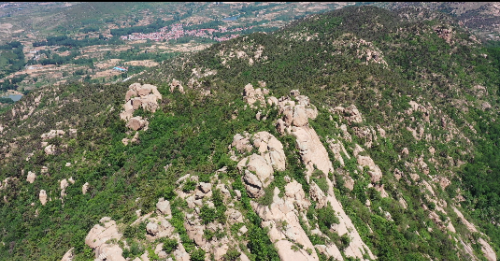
<point x="296" y="111"/>
<point x="351" y="113"/>
<point x="138" y="96"/>
<point x="201" y="197"/>
<point x="51" y="149"/>
<point x="444" y="33"/>
<point x="259" y="156"/>
<point x="258" y="169"/>
<point x="252" y="95"/>
<point x="175" y="84"/>
<point x="251" y="52"/>
<point x="100" y="239"/>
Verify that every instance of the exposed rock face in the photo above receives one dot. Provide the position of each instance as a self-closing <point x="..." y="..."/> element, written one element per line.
<point x="85" y="187"/>
<point x="73" y="133"/>
<point x="366" y="134"/>
<point x="176" y="84"/>
<point x="50" y="150"/>
<point x="357" y="247"/>
<point x="312" y="151"/>
<point x="137" y="96"/>
<point x="134" y="139"/>
<point x="488" y="251"/>
<point x="260" y="166"/>
<point x="251" y="95"/>
<point x="352" y="114"/>
<point x="296" y="115"/>
<point x="281" y="211"/>
<point x="336" y="147"/>
<point x="64" y="184"/>
<point x="271" y="149"/>
<point x="158" y="227"/>
<point x="68" y="256"/>
<point x="314" y="155"/>
<point x="375" y="172"/>
<point x="163" y="207"/>
<point x="43" y="197"/>
<point x="99" y="235"/>
<point x="242" y="143"/>
<point x="109" y="252"/>
<point x="258" y="169"/>
<point x="31" y="177"/>
<point x="136" y="123"/>
<point x="444" y="33"/>
<point x="234" y="216"/>
<point x="52" y="134"/>
<point x="253" y="185"/>
<point x="485" y="106"/>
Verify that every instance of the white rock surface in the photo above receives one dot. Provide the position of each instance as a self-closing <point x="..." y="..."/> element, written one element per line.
<point x="31" y="177"/>
<point x="43" y="197"/>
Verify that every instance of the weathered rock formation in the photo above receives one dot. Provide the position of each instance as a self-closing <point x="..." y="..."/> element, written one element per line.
<point x="98" y="237"/>
<point x="52" y="134"/>
<point x="138" y="96"/>
<point x="43" y="197"/>
<point x="31" y="177"/>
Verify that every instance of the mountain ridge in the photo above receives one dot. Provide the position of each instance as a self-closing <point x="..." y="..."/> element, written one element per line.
<point x="340" y="146"/>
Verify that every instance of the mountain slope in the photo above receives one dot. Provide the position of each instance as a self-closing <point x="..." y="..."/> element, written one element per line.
<point x="360" y="133"/>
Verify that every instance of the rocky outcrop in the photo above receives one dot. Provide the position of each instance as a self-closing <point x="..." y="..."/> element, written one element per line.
<point x="163" y="207"/>
<point x="175" y="84"/>
<point x="136" y="123"/>
<point x="85" y="188"/>
<point x="270" y="149"/>
<point x="337" y="147"/>
<point x="134" y="139"/>
<point x="312" y="151"/>
<point x="42" y="197"/>
<point x="63" y="185"/>
<point x="251" y="95"/>
<point x="357" y="248"/>
<point x="258" y="165"/>
<point x="31" y="177"/>
<point x="488" y="251"/>
<point x="366" y="134"/>
<point x="158" y="227"/>
<point x="73" y="133"/>
<point x="285" y="229"/>
<point x="258" y="169"/>
<point x="111" y="252"/>
<point x="68" y="256"/>
<point x="242" y="143"/>
<point x="352" y="114"/>
<point x="374" y="171"/>
<point x="138" y="96"/>
<point x="253" y="185"/>
<point x="102" y="233"/>
<point x="52" y="134"/>
<point x="50" y="150"/>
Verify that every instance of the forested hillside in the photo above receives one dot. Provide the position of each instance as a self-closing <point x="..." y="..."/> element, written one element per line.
<point x="361" y="133"/>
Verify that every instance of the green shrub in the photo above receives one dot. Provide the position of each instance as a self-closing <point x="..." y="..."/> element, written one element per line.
<point x="231" y="255"/>
<point x="327" y="217"/>
<point x="169" y="244"/>
<point x="198" y="255"/>
<point x="189" y="186"/>
<point x="208" y="214"/>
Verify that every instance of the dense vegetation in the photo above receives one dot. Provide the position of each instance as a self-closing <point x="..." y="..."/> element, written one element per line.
<point x="11" y="60"/>
<point x="322" y="56"/>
